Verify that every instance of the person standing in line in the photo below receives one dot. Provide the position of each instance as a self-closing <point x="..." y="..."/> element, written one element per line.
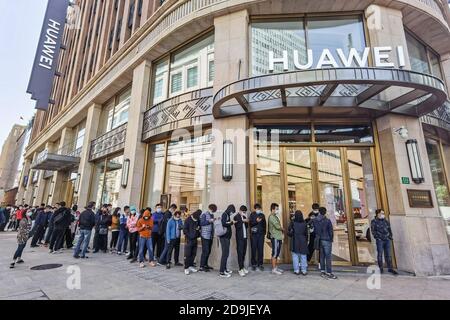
<point x="173" y="235"/>
<point x="298" y="233"/>
<point x="115" y="229"/>
<point x="104" y="223"/>
<point x="86" y="223"/>
<point x="22" y="238"/>
<point x="192" y="232"/>
<point x="144" y="227"/>
<point x="7" y="215"/>
<point x="12" y="219"/>
<point x="60" y="222"/>
<point x="257" y="233"/>
<point x="157" y="218"/>
<point x="276" y="236"/>
<point x="325" y="235"/>
<point x="68" y="232"/>
<point x="310" y="226"/>
<point x="207" y="236"/>
<point x="74" y="224"/>
<point x="162" y="233"/>
<point x="19" y="215"/>
<point x="133" y="232"/>
<point x="123" y="231"/>
<point x="40" y="224"/>
<point x="382" y="232"/>
<point x="225" y="240"/>
<point x="50" y="227"/>
<point x="241" y="225"/>
<point x="2" y="219"/>
<point x="98" y="216"/>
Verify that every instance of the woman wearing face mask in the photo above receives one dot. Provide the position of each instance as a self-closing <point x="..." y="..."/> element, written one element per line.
<point x="298" y="233"/>
<point x="227" y="222"/>
<point x="133" y="233"/>
<point x="145" y="229"/>
<point x="173" y="235"/>
<point x="381" y="231"/>
<point x="241" y="225"/>
<point x="22" y="238"/>
<point x="157" y="240"/>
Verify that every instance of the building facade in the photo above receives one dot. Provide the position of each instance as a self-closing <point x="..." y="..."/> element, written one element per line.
<point x="242" y="101"/>
<point x="10" y="160"/>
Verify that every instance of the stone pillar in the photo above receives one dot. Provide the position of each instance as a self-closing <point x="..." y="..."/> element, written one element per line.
<point x="28" y="195"/>
<point x="134" y="148"/>
<point x="420" y="240"/>
<point x="20" y="197"/>
<point x="41" y="184"/>
<point x="60" y="177"/>
<point x="231" y="64"/>
<point x="85" y="168"/>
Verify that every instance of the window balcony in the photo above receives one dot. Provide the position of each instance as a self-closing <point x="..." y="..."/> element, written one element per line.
<point x="111" y="142"/>
<point x="65" y="158"/>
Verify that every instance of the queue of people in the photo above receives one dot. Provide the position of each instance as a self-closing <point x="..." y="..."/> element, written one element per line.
<point x="155" y="236"/>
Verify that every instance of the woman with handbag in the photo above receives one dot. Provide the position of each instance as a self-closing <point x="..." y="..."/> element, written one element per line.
<point x="103" y="225"/>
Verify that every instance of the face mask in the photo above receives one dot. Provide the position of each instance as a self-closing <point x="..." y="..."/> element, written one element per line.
<point x="159" y="210"/>
<point x="316" y="211"/>
<point x="29" y="214"/>
<point x="258" y="211"/>
<point x="146" y="218"/>
<point x="176" y="218"/>
<point x="382" y="216"/>
<point x="277" y="212"/>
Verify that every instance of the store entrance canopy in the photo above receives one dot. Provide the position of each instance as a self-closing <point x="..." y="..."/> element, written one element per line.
<point x="376" y="89"/>
<point x="56" y="162"/>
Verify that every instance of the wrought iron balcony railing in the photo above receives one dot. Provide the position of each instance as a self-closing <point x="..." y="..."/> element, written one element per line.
<point x="108" y="143"/>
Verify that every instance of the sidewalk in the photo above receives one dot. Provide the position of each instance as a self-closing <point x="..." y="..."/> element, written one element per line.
<point x="107" y="276"/>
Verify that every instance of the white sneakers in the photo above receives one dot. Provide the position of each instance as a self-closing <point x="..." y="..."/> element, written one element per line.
<point x="242" y="273"/>
<point x="224" y="275"/>
<point x="186" y="272"/>
<point x="245" y="271"/>
<point x="189" y="270"/>
<point x="141" y="265"/>
<point x="276" y="271"/>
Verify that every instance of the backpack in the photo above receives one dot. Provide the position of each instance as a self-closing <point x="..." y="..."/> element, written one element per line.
<point x="219" y="229"/>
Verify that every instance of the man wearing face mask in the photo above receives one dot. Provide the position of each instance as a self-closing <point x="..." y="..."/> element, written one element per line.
<point x="173" y="235"/>
<point x="257" y="232"/>
<point x="381" y="231"/>
<point x="158" y="245"/>
<point x="162" y="233"/>
<point x="241" y="225"/>
<point x="310" y="226"/>
<point x="276" y="236"/>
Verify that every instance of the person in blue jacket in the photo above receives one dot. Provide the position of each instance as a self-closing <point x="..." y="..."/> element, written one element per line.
<point x="173" y="236"/>
<point x="324" y="232"/>
<point x="40" y="224"/>
<point x="123" y="231"/>
<point x="157" y="218"/>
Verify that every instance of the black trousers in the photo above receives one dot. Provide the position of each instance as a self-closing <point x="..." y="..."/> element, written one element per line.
<point x="190" y="251"/>
<point x="133" y="244"/>
<point x="241" y="247"/>
<point x="48" y="236"/>
<point x="174" y="245"/>
<point x="225" y="244"/>
<point x="95" y="242"/>
<point x="257" y="246"/>
<point x="57" y="239"/>
<point x="68" y="238"/>
<point x="103" y="242"/>
<point x="311" y="247"/>
<point x="206" y="251"/>
<point x="114" y="238"/>
<point x="158" y="244"/>
<point x="38" y="234"/>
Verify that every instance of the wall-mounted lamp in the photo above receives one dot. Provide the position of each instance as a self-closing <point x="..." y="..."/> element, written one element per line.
<point x="77" y="183"/>
<point x="125" y="172"/>
<point x="415" y="163"/>
<point x="227" y="165"/>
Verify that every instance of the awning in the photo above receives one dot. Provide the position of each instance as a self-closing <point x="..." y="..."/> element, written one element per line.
<point x="379" y="90"/>
<point x="55" y="162"/>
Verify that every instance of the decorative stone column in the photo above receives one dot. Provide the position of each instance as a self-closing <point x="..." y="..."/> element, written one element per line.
<point x="420" y="239"/>
<point x="231" y="64"/>
<point x="85" y="168"/>
<point x="20" y="197"/>
<point x="41" y="184"/>
<point x="60" y="177"/>
<point x="27" y="197"/>
<point x="134" y="148"/>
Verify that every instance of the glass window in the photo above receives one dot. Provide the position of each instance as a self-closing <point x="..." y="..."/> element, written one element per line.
<point x="190" y="68"/>
<point x="438" y="173"/>
<point x="283" y="134"/>
<point x="188" y="176"/>
<point x="276" y="36"/>
<point x="435" y="65"/>
<point x="115" y="113"/>
<point x="106" y="182"/>
<point x="335" y="33"/>
<point x="417" y="54"/>
<point x="155" y="178"/>
<point x="343" y="133"/>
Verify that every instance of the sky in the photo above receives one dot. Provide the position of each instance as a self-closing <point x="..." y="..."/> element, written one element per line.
<point x="20" y="27"/>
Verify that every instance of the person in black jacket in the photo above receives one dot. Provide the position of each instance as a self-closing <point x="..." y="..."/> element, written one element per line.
<point x="227" y="222"/>
<point x="241" y="225"/>
<point x="310" y="226"/>
<point x="40" y="224"/>
<point x="191" y="231"/>
<point x="103" y="223"/>
<point x="162" y="233"/>
<point x="60" y="221"/>
<point x="298" y="233"/>
<point x="86" y="222"/>
<point x="257" y="234"/>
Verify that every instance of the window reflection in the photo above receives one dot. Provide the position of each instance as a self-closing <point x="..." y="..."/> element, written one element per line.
<point x="106" y="182"/>
<point x="156" y="163"/>
<point x="343" y="133"/>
